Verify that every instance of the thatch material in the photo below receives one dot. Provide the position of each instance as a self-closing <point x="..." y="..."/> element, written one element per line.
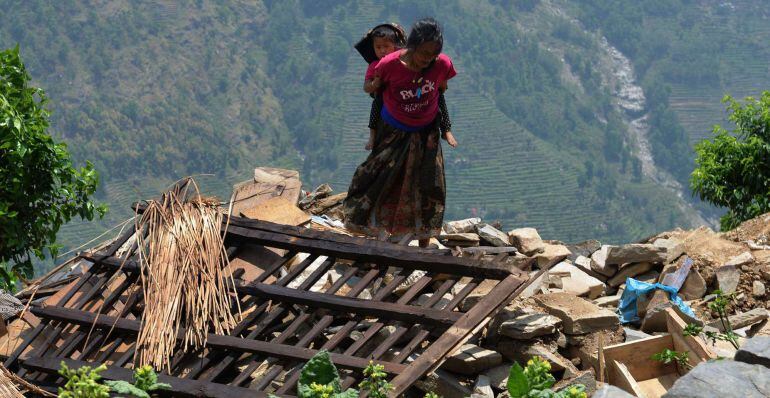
<point x="186" y="276"/>
<point x="9" y="382"/>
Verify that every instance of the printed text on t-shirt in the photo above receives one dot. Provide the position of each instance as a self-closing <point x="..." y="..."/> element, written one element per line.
<point x="426" y="88"/>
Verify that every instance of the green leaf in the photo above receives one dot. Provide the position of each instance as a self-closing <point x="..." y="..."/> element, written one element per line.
<point x="124" y="387"/>
<point x="518" y="385"/>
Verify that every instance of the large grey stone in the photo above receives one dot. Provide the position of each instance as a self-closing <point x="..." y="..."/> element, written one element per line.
<point x="610" y="391"/>
<point x="471" y="359"/>
<point x="744" y="258"/>
<point x="526" y="240"/>
<point x="444" y="384"/>
<point x="755" y="351"/>
<point x="521" y="352"/>
<point x="694" y="286"/>
<point x="552" y="254"/>
<point x="728" y="277"/>
<point x="636" y="253"/>
<point x="498" y="376"/>
<point x="578" y="282"/>
<point x="675" y="248"/>
<point x="739" y="321"/>
<point x="483" y="388"/>
<point x="758" y="289"/>
<point x="578" y="315"/>
<point x="599" y="262"/>
<point x="629" y="271"/>
<point x="724" y="379"/>
<point x="461" y="237"/>
<point x="494" y="236"/>
<point x="608" y="301"/>
<point x="529" y="326"/>
<point x="585" y="249"/>
<point x="461" y="226"/>
<point x="633" y="335"/>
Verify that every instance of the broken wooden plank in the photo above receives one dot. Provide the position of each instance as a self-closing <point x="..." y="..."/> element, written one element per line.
<point x="464" y="326"/>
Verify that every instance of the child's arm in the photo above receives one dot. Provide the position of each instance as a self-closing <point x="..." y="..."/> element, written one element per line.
<point x="372" y="85"/>
<point x="445" y="125"/>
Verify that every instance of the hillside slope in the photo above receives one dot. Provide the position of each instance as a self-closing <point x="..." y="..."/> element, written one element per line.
<point x="153" y="92"/>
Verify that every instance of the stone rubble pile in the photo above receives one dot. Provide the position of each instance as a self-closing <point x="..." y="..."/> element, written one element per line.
<point x="570" y="310"/>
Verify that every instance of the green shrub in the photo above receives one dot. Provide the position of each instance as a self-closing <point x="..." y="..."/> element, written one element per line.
<point x="733" y="169"/>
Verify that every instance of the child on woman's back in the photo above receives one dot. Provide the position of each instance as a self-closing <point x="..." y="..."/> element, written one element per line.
<point x="377" y="43"/>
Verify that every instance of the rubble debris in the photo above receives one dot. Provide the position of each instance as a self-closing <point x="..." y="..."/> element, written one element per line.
<point x="633" y="334"/>
<point x="599" y="262"/>
<point x="574" y="280"/>
<point x="636" y="253"/>
<point x="739" y="321"/>
<point x="530" y="326"/>
<point x="629" y="271"/>
<point x="758" y="289"/>
<point x="521" y="352"/>
<point x="494" y="236"/>
<point x="444" y="384"/>
<point x="755" y="351"/>
<point x="585" y="249"/>
<point x="744" y="258"/>
<point x="608" y="301"/>
<point x="483" y="388"/>
<point x="723" y="378"/>
<point x="610" y="391"/>
<point x="728" y="277"/>
<point x="578" y="315"/>
<point x="694" y="286"/>
<point x="551" y="254"/>
<point x="471" y="359"/>
<point x="462" y="226"/>
<point x="585" y="377"/>
<point x="527" y="241"/>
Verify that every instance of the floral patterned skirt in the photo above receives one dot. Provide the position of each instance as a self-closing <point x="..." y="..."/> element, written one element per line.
<point x="400" y="188"/>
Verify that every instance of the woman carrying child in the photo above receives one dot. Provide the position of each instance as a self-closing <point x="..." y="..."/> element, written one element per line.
<point x="400" y="188"/>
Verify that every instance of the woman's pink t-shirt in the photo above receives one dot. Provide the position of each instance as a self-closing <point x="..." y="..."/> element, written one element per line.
<point x="412" y="97"/>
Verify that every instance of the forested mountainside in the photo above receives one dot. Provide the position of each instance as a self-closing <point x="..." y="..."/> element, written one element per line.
<point x="577" y="118"/>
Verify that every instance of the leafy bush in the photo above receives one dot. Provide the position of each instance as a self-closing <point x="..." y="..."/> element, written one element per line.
<point x="733" y="169"/>
<point x="535" y="381"/>
<point x="39" y="188"/>
<point x="320" y="379"/>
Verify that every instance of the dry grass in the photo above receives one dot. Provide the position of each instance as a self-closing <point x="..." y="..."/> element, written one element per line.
<point x="186" y="275"/>
<point x="9" y="389"/>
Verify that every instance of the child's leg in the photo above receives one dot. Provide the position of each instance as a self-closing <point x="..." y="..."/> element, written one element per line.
<point x="374" y="118"/>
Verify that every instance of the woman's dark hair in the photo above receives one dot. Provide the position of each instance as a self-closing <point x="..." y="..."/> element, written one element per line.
<point x="386" y="32"/>
<point x="424" y="31"/>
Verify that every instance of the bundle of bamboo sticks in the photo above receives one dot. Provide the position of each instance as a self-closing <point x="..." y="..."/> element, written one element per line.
<point x="186" y="276"/>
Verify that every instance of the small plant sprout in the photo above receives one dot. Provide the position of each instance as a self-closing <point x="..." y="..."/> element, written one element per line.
<point x="719" y="305"/>
<point x="431" y="394"/>
<point x="374" y="383"/>
<point x="83" y="382"/>
<point x="535" y="381"/>
<point x="681" y="359"/>
<point x="145" y="382"/>
<point x="693" y="330"/>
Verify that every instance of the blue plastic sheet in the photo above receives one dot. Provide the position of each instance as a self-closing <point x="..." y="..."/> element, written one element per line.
<point x="635" y="288"/>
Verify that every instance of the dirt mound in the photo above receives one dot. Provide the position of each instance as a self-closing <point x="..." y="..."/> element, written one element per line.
<point x="756" y="229"/>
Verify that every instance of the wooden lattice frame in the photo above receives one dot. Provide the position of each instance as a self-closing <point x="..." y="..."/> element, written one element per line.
<point x="280" y="322"/>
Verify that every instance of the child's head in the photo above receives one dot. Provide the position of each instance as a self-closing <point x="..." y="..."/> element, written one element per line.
<point x="384" y="41"/>
<point x="425" y="42"/>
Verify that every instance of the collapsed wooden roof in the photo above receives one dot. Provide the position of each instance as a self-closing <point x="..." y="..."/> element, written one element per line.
<point x="301" y="291"/>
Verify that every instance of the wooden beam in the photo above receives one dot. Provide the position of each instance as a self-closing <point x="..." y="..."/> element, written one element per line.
<point x="379" y="309"/>
<point x="179" y="387"/>
<point x="131" y="327"/>
<point x="354" y="248"/>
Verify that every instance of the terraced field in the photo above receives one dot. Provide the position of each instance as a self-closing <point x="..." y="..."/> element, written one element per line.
<point x="744" y="69"/>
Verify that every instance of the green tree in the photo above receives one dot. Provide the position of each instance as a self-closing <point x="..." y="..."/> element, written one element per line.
<point x="733" y="169"/>
<point x="39" y="188"/>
